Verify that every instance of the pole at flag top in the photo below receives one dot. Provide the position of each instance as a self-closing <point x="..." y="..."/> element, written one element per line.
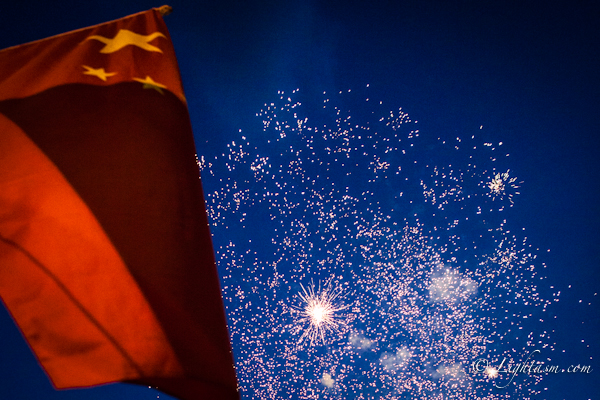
<point x="165" y="10"/>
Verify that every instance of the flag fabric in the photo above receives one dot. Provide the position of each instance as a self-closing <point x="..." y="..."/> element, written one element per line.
<point x="106" y="260"/>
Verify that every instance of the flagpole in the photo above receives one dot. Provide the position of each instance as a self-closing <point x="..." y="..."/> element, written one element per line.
<point x="165" y="10"/>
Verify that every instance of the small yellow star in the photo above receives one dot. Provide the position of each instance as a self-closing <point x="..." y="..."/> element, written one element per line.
<point x="98" y="72"/>
<point x="150" y="84"/>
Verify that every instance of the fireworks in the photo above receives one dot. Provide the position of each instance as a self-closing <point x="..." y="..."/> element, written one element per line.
<point x="500" y="184"/>
<point x="417" y="227"/>
<point x="319" y="314"/>
<point x="491" y="372"/>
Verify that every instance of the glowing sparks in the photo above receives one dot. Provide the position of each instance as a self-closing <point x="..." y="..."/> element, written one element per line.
<point x="491" y="372"/>
<point x="438" y="276"/>
<point x="319" y="313"/>
<point x="500" y="183"/>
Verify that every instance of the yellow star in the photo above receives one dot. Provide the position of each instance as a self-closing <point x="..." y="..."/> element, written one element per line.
<point x="124" y="38"/>
<point x="98" y="72"/>
<point x="150" y="84"/>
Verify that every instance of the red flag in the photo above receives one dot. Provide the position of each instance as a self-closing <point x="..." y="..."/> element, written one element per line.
<point x="106" y="261"/>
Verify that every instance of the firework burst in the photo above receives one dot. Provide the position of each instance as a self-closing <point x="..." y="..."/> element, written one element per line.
<point x="320" y="313"/>
<point x="502" y="184"/>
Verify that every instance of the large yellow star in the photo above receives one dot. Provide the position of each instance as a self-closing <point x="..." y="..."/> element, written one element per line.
<point x="98" y="72"/>
<point x="150" y="84"/>
<point x="124" y="38"/>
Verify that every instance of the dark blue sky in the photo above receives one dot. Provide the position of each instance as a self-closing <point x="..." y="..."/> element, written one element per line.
<point x="525" y="70"/>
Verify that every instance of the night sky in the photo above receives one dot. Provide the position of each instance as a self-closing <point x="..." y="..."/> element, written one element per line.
<point x="524" y="73"/>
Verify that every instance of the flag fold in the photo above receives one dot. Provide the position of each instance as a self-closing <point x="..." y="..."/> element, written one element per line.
<point x="106" y="260"/>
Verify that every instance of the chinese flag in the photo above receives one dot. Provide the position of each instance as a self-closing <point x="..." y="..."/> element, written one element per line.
<point x="106" y="261"/>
